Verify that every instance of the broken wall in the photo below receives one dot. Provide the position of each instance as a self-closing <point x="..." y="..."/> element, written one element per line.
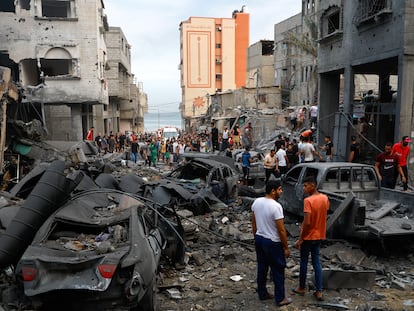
<point x="61" y="53"/>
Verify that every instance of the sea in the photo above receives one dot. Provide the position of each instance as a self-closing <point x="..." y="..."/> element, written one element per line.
<point x="155" y="120"/>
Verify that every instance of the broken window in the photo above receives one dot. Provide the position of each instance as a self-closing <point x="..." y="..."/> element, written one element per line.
<point x="7" y="6"/>
<point x="56" y="67"/>
<point x="368" y="9"/>
<point x="331" y="21"/>
<point x="57" y="8"/>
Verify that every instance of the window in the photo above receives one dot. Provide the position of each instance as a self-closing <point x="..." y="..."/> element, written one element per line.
<point x="331" y="21"/>
<point x="7" y="6"/>
<point x="25" y="4"/>
<point x="218" y="45"/>
<point x="57" y="62"/>
<point x="293" y="175"/>
<point x="56" y="67"/>
<point x="369" y="9"/>
<point x="57" y="8"/>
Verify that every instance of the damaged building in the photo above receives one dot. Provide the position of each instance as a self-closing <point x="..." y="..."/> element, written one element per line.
<point x="59" y="57"/>
<point x="370" y="38"/>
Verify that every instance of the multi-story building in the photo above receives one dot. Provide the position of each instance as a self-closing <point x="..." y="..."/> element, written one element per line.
<point x="296" y="57"/>
<point x="366" y="37"/>
<point x="260" y="76"/>
<point x="57" y="53"/>
<point x="127" y="101"/>
<point x="213" y="54"/>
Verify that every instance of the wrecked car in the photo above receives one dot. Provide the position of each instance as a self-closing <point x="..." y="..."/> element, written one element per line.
<point x="360" y="208"/>
<point x="99" y="251"/>
<point x="196" y="184"/>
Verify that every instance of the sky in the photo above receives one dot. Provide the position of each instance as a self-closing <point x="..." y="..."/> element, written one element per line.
<point x="151" y="27"/>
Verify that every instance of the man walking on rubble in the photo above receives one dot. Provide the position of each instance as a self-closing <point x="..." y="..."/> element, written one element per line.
<point x="388" y="167"/>
<point x="270" y="243"/>
<point x="402" y="150"/>
<point x="312" y="233"/>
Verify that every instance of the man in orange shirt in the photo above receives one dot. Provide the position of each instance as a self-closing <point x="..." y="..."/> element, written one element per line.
<point x="402" y="150"/>
<point x="313" y="232"/>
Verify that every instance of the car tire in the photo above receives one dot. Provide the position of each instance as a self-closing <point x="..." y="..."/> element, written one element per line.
<point x="149" y="301"/>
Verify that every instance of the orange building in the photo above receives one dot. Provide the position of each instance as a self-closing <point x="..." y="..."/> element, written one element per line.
<point x="213" y="55"/>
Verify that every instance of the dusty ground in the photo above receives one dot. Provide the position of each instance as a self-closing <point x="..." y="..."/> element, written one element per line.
<point x="221" y="270"/>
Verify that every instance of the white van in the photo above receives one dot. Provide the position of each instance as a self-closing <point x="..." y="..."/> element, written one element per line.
<point x="169" y="133"/>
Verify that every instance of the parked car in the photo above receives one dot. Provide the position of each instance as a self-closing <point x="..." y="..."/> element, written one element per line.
<point x="99" y="251"/>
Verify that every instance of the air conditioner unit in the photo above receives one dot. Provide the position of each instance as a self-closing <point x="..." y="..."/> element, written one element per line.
<point x="218" y="61"/>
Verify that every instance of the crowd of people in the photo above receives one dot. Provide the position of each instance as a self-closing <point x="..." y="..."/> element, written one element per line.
<point x="286" y="152"/>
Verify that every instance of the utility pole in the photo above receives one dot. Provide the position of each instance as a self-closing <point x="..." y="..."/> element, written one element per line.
<point x="257" y="73"/>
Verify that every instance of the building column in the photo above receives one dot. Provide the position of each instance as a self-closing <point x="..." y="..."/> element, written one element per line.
<point x="77" y="133"/>
<point x="329" y="84"/>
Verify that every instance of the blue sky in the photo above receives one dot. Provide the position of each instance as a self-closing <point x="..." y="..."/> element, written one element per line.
<point x="152" y="28"/>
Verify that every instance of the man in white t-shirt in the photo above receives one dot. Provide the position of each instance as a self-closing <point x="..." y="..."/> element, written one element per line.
<point x="313" y="115"/>
<point x="270" y="243"/>
<point x="308" y="151"/>
<point x="282" y="160"/>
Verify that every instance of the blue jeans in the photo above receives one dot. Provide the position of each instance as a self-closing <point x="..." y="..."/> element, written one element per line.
<point x="270" y="254"/>
<point x="134" y="157"/>
<point x="313" y="248"/>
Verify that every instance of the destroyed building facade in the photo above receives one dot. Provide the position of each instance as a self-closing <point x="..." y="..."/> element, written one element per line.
<point x="366" y="37"/>
<point x="58" y="54"/>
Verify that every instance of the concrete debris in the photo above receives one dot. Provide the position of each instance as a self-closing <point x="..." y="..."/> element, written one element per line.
<point x="173" y="293"/>
<point x="236" y="278"/>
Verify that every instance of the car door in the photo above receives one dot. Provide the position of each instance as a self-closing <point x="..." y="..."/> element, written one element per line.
<point x="217" y="183"/>
<point x="290" y="199"/>
<point x="231" y="181"/>
<point x="293" y="188"/>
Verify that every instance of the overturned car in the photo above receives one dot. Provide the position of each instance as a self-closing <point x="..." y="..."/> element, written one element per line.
<point x="99" y="251"/>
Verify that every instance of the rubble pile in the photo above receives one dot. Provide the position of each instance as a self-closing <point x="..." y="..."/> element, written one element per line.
<point x="219" y="268"/>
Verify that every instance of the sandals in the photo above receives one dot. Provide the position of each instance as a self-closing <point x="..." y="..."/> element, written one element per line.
<point x="284" y="302"/>
<point x="267" y="297"/>
<point x="318" y="295"/>
<point x="298" y="291"/>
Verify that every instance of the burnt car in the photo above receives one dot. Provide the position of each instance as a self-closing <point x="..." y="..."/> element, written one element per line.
<point x="202" y="182"/>
<point x="99" y="251"/>
<point x="359" y="206"/>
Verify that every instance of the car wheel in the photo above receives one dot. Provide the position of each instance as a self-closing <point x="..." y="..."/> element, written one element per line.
<point x="149" y="301"/>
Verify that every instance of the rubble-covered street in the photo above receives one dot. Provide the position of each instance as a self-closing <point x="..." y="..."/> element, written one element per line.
<point x="219" y="267"/>
<point x="221" y="270"/>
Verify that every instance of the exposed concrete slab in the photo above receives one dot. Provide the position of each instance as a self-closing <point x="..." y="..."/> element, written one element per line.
<point x="386" y="207"/>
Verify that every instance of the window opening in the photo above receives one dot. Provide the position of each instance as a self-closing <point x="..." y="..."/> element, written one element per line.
<point x="333" y="22"/>
<point x="56" y="67"/>
<point x="7" y="6"/>
<point x="53" y="8"/>
<point x="25" y="4"/>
